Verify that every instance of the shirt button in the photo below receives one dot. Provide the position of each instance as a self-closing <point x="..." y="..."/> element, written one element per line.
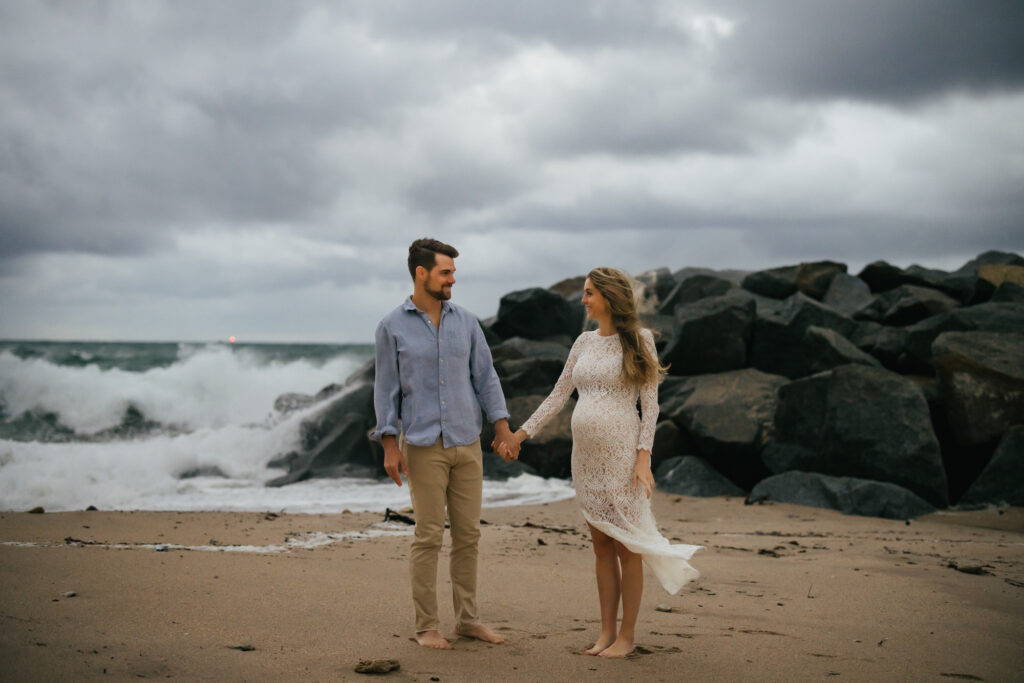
<point x="442" y="402"/>
<point x="441" y="360"/>
<point x="442" y="381"/>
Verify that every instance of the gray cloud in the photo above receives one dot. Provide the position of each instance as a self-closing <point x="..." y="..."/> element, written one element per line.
<point x="879" y="50"/>
<point x="176" y="163"/>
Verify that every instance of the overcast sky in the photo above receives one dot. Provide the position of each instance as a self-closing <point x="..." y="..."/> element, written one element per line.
<point x="192" y="170"/>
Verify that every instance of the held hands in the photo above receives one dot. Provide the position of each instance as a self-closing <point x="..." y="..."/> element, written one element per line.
<point x="642" y="472"/>
<point x="506" y="444"/>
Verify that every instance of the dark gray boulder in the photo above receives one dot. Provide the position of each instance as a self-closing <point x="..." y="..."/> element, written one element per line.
<point x="1008" y="292"/>
<point x="775" y="347"/>
<point x="528" y="375"/>
<point x="694" y="288"/>
<point x="334" y="441"/>
<point x="848" y="495"/>
<point x="986" y="317"/>
<point x="887" y="344"/>
<point x="781" y="345"/>
<point x="537" y="313"/>
<point x="692" y="476"/>
<point x="364" y="374"/>
<point x="801" y="312"/>
<point x="881" y="276"/>
<point x="906" y="305"/>
<point x="657" y="285"/>
<point x="680" y="444"/>
<point x="342" y="452"/>
<point x="1002" y="481"/>
<point x="763" y="305"/>
<point x="992" y="257"/>
<point x="825" y="349"/>
<point x="665" y="328"/>
<point x="963" y="285"/>
<point x="570" y="288"/>
<point x="291" y="401"/>
<point x="518" y="348"/>
<point x="777" y="283"/>
<point x="981" y="375"/>
<point x="713" y="336"/>
<point x="669" y="442"/>
<point x="356" y="399"/>
<point x="733" y="276"/>
<point x="814" y="279"/>
<point x="847" y="294"/>
<point x="725" y="416"/>
<point x="858" y="421"/>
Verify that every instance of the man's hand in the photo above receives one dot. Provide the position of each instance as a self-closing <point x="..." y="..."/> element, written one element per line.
<point x="505" y="444"/>
<point x="394" y="461"/>
<point x="642" y="472"/>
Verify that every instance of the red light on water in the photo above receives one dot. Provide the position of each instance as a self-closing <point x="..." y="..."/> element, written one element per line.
<point x="231" y="339"/>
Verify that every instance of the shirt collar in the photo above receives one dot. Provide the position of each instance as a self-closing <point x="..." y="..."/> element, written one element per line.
<point x="446" y="306"/>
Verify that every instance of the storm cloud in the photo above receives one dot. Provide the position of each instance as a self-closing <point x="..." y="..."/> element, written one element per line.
<point x="185" y="170"/>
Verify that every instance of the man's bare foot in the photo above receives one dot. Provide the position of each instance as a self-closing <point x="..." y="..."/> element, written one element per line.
<point x="481" y="632"/>
<point x="620" y="648"/>
<point x="433" y="639"/>
<point x="602" y="644"/>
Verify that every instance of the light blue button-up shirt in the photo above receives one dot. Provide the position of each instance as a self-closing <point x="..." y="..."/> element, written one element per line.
<point x="435" y="380"/>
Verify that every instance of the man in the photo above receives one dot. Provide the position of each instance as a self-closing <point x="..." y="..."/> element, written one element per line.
<point x="434" y="373"/>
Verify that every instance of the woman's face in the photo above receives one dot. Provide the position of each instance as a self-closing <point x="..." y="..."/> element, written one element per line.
<point x="594" y="303"/>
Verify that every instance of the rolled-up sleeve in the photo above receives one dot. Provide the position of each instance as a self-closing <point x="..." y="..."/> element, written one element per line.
<point x="386" y="385"/>
<point x="484" y="377"/>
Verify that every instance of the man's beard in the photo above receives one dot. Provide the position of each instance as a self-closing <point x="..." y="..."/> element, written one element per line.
<point x="440" y="294"/>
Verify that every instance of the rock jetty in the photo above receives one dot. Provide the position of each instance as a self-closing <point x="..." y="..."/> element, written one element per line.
<point x="891" y="393"/>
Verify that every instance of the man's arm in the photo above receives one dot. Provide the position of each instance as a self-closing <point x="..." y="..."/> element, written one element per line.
<point x="488" y="391"/>
<point x="386" y="390"/>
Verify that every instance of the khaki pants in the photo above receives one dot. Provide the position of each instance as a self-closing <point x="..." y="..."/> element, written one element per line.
<point x="442" y="477"/>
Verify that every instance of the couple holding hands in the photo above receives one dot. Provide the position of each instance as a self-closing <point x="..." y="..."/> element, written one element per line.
<point x="434" y="373"/>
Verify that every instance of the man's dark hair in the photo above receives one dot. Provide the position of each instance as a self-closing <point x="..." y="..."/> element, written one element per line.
<point x="422" y="253"/>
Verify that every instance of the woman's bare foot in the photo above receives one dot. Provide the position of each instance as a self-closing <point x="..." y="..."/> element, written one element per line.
<point x="602" y="644"/>
<point x="620" y="648"/>
<point x="433" y="639"/>
<point x="481" y="632"/>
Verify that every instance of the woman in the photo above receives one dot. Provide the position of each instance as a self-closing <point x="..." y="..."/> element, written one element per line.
<point x="611" y="454"/>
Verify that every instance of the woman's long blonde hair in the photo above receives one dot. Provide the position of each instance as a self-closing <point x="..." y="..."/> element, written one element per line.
<point x="638" y="365"/>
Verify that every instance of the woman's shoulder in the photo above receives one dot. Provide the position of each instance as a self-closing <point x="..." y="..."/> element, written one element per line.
<point x="584" y="339"/>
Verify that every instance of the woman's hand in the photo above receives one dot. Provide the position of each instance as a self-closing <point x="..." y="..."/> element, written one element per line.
<point x="642" y="472"/>
<point x="503" y="450"/>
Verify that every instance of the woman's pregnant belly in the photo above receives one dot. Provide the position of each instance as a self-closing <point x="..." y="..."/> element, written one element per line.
<point x="604" y="435"/>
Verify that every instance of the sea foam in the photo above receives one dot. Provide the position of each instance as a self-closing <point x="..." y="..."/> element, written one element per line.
<point x="212" y="386"/>
<point x="215" y="408"/>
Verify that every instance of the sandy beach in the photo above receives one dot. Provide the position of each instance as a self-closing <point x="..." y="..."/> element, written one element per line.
<point x="787" y="593"/>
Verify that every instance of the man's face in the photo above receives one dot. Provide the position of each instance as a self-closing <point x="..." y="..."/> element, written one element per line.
<point x="441" y="278"/>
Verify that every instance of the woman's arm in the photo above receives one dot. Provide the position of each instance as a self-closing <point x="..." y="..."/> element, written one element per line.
<point x="556" y="399"/>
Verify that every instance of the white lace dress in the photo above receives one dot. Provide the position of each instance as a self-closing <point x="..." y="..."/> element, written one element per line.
<point x="606" y="434"/>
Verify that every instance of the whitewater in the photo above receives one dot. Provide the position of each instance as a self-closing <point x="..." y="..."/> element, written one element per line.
<point x="126" y="426"/>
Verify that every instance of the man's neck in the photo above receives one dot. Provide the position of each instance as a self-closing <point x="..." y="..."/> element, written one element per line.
<point x="426" y="303"/>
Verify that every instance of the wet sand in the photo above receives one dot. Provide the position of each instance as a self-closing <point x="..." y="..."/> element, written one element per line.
<point x="787" y="593"/>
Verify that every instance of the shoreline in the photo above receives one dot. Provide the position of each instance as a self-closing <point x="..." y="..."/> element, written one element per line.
<point x="786" y="592"/>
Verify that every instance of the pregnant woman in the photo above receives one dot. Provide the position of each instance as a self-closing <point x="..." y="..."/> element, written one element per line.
<point x="611" y="455"/>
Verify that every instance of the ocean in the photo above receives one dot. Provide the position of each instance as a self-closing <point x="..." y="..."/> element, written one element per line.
<point x="116" y="425"/>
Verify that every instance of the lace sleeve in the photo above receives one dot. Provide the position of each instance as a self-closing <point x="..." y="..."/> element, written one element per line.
<point x="558" y="396"/>
<point x="648" y="399"/>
